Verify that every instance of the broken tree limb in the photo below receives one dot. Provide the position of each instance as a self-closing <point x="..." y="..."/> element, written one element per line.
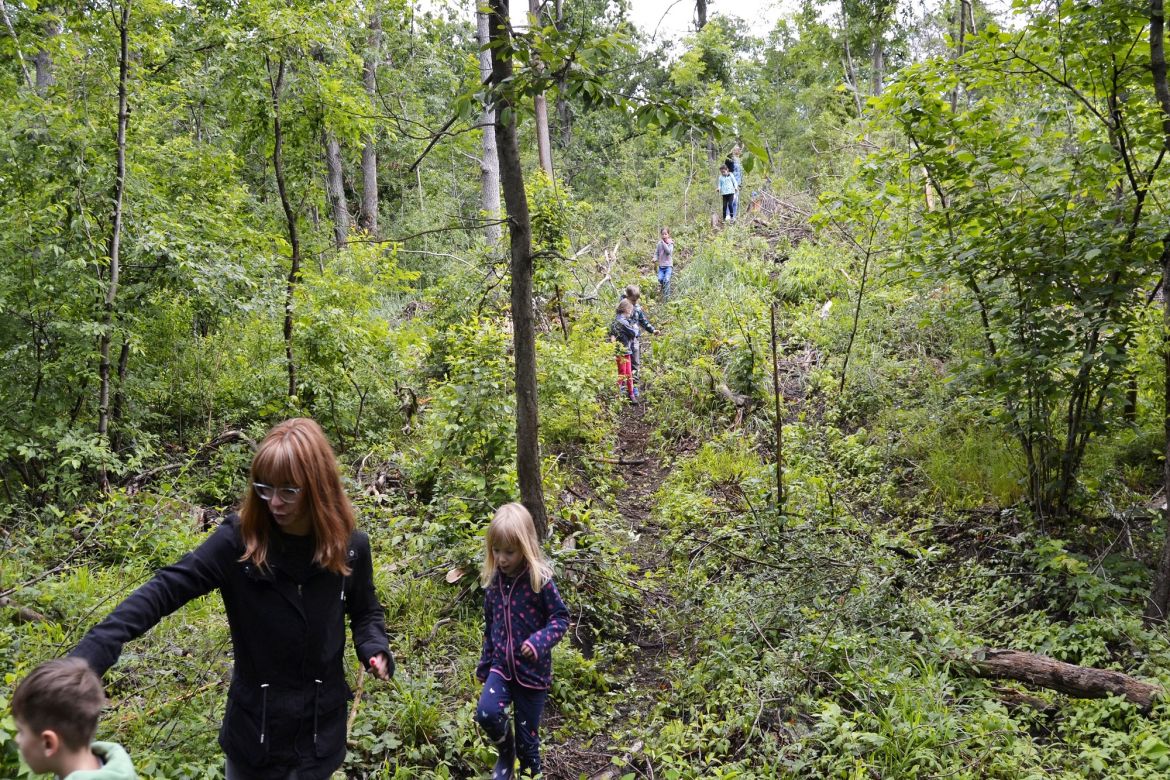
<point x="1082" y="682"/>
<point x="743" y="403"/>
<point x="138" y="481"/>
<point x="620" y="461"/>
<point x="22" y="614"/>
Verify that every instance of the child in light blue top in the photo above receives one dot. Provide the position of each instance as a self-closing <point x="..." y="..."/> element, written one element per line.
<point x="727" y="188"/>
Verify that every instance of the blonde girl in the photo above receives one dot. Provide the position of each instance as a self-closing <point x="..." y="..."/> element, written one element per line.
<point x="524" y="617"/>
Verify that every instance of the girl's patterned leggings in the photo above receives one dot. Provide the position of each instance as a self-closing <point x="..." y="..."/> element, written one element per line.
<point x="492" y="715"/>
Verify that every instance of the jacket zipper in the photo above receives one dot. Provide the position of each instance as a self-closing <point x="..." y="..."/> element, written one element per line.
<point x="316" y="709"/>
<point x="508" y="624"/>
<point x="263" y="711"/>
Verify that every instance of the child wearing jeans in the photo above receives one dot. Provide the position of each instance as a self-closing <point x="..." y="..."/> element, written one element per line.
<point x="523" y="618"/>
<point x="728" y="189"/>
<point x="56" y="708"/>
<point x="664" y="256"/>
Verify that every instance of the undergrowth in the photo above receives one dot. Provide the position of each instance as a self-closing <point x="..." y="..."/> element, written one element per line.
<point x="827" y="637"/>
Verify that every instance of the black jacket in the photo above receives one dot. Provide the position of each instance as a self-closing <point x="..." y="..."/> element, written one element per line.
<point x="286" y="707"/>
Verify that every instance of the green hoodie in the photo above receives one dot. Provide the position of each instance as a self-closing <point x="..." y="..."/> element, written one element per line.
<point x="116" y="764"/>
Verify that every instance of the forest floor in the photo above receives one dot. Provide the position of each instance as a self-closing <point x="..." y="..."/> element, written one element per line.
<point x="608" y="754"/>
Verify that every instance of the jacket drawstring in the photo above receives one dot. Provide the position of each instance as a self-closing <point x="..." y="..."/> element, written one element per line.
<point x="343" y="588"/>
<point x="263" y="711"/>
<point x="316" y="709"/>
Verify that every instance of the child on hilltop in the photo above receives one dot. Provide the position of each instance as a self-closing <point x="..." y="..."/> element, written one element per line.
<point x="625" y="332"/>
<point x="523" y="618"/>
<point x="56" y="708"/>
<point x="727" y="188"/>
<point x="633" y="295"/>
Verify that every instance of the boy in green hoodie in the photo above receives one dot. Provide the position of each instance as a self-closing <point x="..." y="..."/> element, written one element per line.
<point x="56" y="709"/>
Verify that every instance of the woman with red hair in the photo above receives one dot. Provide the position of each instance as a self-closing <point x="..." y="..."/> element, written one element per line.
<point x="291" y="568"/>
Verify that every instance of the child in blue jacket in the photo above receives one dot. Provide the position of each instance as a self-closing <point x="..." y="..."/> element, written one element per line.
<point x="523" y="618"/>
<point x="633" y="295"/>
<point x="624" y="331"/>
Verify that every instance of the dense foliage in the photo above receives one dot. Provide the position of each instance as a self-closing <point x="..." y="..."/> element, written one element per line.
<point x="956" y="221"/>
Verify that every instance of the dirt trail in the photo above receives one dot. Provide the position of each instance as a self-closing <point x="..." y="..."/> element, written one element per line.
<point x="592" y="755"/>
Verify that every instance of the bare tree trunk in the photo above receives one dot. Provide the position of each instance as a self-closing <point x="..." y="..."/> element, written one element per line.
<point x="489" y="163"/>
<point x="877" y="65"/>
<point x="1158" y="604"/>
<point x="43" y="60"/>
<point x="115" y="244"/>
<point x="564" y="109"/>
<point x="540" y="105"/>
<point x="15" y="41"/>
<point x="700" y="14"/>
<point x="961" y="39"/>
<point x="119" y="395"/>
<point x="335" y="189"/>
<point x="520" y="240"/>
<point x="850" y="71"/>
<point x="779" y="420"/>
<point x="368" y="218"/>
<point x="276" y="85"/>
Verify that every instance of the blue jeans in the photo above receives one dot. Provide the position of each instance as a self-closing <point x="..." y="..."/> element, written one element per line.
<point x="664" y="272"/>
<point x="492" y="715"/>
<point x="729" y="205"/>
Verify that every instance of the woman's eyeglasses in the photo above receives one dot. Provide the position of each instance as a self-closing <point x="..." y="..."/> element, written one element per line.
<point x="266" y="492"/>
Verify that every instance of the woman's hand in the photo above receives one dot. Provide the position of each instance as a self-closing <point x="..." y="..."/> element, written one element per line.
<point x="380" y="666"/>
<point x="528" y="651"/>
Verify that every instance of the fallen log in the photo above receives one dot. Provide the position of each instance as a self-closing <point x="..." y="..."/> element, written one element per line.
<point x="1083" y="682"/>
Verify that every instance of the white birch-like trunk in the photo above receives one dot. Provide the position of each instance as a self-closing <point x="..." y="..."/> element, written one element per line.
<point x="489" y="163"/>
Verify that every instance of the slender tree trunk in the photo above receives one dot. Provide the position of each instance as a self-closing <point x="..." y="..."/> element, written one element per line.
<point x="564" y="109"/>
<point x="335" y="189"/>
<point x="276" y="84"/>
<point x="368" y="218"/>
<point x="961" y="40"/>
<point x="15" y="42"/>
<point x="700" y="14"/>
<point x="119" y="396"/>
<point x="540" y="105"/>
<point x="520" y="240"/>
<point x="115" y="243"/>
<point x="877" y="65"/>
<point x="850" y="71"/>
<point x="1158" y="604"/>
<point x="779" y="420"/>
<point x="489" y="163"/>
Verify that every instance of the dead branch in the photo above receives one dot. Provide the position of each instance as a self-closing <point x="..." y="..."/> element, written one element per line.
<point x="607" y="273"/>
<point x="136" y="483"/>
<point x="743" y="403"/>
<point x="22" y="614"/>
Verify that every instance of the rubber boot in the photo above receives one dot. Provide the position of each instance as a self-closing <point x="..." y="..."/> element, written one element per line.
<point x="505" y="764"/>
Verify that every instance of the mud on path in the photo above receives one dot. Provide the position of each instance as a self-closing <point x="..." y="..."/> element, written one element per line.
<point x="640" y="679"/>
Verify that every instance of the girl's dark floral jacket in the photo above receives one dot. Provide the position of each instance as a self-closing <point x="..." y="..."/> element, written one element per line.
<point x="514" y="616"/>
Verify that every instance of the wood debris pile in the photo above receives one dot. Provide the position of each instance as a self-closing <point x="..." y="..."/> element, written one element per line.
<point x="777" y="218"/>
